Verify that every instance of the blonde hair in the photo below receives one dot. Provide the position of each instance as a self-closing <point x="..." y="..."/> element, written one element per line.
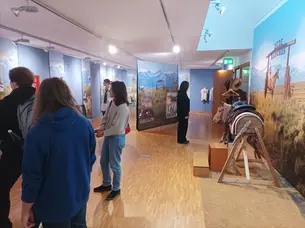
<point x="53" y="94"/>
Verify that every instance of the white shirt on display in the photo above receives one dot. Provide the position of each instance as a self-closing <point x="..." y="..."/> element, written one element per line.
<point x="204" y="94"/>
<point x="211" y="94"/>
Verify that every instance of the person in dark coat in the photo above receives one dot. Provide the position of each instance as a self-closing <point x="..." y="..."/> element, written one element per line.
<point x="11" y="153"/>
<point x="183" y="109"/>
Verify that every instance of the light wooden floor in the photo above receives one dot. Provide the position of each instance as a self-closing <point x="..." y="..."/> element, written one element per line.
<point x="157" y="192"/>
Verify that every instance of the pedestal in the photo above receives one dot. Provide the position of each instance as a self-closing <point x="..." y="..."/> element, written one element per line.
<point x="218" y="153"/>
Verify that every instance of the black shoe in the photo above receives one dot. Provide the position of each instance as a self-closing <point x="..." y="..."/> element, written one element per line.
<point x="113" y="194"/>
<point x="103" y="188"/>
<point x="185" y="142"/>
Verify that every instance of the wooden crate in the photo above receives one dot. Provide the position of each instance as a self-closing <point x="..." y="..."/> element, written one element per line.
<point x="201" y="164"/>
<point x="218" y="153"/>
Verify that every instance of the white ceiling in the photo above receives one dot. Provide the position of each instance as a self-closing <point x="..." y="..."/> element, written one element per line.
<point x="137" y="27"/>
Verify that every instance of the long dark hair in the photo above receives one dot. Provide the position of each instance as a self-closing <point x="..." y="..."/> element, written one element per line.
<point x="53" y="94"/>
<point x="184" y="86"/>
<point x="119" y="92"/>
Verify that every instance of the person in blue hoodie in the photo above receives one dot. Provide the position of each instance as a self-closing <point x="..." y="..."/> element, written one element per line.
<point x="59" y="153"/>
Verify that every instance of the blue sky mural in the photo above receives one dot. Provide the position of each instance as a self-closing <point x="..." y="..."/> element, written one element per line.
<point x="265" y="37"/>
<point x="150" y="73"/>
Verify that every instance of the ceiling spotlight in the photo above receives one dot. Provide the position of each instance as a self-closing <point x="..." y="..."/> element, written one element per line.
<point x="29" y="9"/>
<point x="218" y="7"/>
<point x="22" y="40"/>
<point x="49" y="48"/>
<point x="176" y="49"/>
<point x="104" y="63"/>
<point x="207" y="34"/>
<point x="15" y="43"/>
<point x="112" y="49"/>
<point x="118" y="66"/>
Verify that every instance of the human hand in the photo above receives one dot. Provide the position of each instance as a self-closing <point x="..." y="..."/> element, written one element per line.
<point x="28" y="220"/>
<point x="186" y="117"/>
<point x="99" y="133"/>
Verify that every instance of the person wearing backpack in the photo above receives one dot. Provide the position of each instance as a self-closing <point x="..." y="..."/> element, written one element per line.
<point x="21" y="81"/>
<point x="59" y="152"/>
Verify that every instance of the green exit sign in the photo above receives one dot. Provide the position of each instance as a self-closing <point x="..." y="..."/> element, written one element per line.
<point x="228" y="61"/>
<point x="246" y="71"/>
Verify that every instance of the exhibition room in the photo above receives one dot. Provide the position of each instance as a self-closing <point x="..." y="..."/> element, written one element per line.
<point x="194" y="114"/>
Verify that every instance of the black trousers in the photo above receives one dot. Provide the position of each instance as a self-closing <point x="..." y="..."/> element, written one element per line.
<point x="10" y="171"/>
<point x="182" y="130"/>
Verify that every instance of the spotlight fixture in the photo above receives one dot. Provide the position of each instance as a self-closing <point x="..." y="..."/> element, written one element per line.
<point x="218" y="7"/>
<point x="29" y="9"/>
<point x="112" y="49"/>
<point x="49" y="48"/>
<point x="22" y="40"/>
<point x="176" y="49"/>
<point x="207" y="34"/>
<point x="104" y="63"/>
<point x="118" y="66"/>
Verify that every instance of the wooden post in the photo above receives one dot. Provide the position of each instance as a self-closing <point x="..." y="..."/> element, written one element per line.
<point x="266" y="156"/>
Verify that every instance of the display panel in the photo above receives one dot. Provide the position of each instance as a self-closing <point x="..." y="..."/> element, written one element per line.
<point x="156" y="94"/>
<point x="278" y="88"/>
<point x="8" y="60"/>
<point x="87" y="90"/>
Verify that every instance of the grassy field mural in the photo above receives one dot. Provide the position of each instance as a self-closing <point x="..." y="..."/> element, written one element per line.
<point x="278" y="88"/>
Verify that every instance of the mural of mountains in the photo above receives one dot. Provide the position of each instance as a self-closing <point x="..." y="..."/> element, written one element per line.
<point x="149" y="79"/>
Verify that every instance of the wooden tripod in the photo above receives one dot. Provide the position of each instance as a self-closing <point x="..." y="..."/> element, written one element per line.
<point x="238" y="147"/>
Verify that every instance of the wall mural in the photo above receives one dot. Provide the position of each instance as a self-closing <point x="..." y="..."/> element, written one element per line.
<point x="87" y="90"/>
<point x="278" y="88"/>
<point x="57" y="66"/>
<point x="131" y="83"/>
<point x="8" y="60"/>
<point x="184" y="75"/>
<point x="157" y="94"/>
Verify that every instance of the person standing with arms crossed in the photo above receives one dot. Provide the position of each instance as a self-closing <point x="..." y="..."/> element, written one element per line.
<point x="106" y="99"/>
<point x="113" y="126"/>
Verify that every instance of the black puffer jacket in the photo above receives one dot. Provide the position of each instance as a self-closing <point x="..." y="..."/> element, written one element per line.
<point x="8" y="117"/>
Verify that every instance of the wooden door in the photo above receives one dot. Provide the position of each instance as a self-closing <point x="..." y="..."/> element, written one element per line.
<point x="220" y="77"/>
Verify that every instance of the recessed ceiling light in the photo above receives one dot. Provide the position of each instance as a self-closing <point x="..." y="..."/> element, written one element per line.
<point x="118" y="66"/>
<point x="112" y="49"/>
<point x="176" y="49"/>
<point x="104" y="63"/>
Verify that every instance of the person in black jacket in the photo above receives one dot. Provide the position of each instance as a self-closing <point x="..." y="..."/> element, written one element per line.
<point x="183" y="109"/>
<point x="11" y="157"/>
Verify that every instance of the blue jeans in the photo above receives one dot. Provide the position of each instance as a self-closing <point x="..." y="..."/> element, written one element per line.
<point x="111" y="158"/>
<point x="78" y="221"/>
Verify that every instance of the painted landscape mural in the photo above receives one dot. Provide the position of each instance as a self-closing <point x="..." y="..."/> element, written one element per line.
<point x="278" y="88"/>
<point x="157" y="94"/>
<point x="8" y="60"/>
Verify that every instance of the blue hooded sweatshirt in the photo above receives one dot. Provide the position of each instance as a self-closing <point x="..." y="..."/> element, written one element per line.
<point x="58" y="156"/>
